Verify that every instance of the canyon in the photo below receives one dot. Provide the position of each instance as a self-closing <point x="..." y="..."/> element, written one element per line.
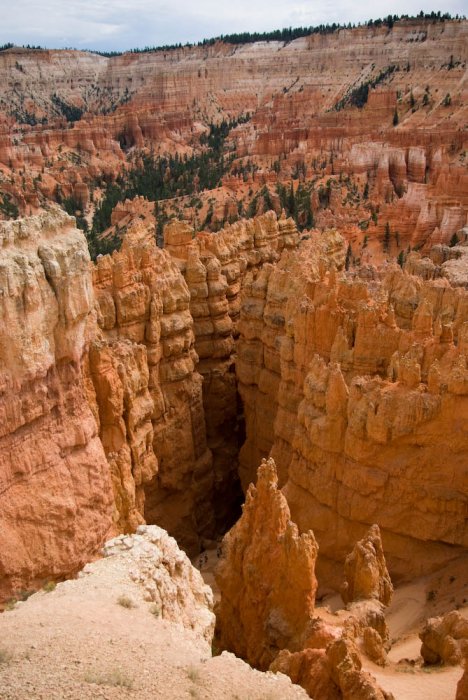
<point x="280" y="358"/>
<point x="71" y="122"/>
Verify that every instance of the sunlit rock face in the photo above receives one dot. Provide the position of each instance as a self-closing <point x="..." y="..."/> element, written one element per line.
<point x="360" y="397"/>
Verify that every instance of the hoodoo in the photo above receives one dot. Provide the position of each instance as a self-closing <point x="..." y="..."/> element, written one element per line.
<point x="234" y="312"/>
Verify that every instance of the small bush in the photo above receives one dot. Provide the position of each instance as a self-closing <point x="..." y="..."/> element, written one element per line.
<point x="194" y="674"/>
<point x="49" y="586"/>
<point x="126" y="602"/>
<point x="116" y="678"/>
<point x="155" y="610"/>
<point x="5" y="656"/>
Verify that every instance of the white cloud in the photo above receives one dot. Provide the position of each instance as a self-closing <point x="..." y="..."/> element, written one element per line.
<point x="122" y="24"/>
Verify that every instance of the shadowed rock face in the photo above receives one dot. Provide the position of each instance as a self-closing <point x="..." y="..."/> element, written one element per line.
<point x="162" y="370"/>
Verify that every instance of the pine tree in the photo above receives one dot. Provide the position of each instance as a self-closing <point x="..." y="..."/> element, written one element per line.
<point x="349" y="253"/>
<point x="386" y="241"/>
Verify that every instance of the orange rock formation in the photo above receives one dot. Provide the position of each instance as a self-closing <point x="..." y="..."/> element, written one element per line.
<point x="266" y="577"/>
<point x="55" y="487"/>
<point x="415" y="171"/>
<point x="445" y="639"/>
<point x="366" y="574"/>
<point x="355" y="384"/>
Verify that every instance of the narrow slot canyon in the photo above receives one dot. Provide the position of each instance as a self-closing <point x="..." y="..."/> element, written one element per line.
<point x="175" y="372"/>
<point x="168" y="377"/>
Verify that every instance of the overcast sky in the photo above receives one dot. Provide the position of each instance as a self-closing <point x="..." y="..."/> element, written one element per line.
<point x="125" y="24"/>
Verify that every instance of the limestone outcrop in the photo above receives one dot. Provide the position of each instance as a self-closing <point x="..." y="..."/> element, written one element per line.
<point x="445" y="639"/>
<point x="366" y="574"/>
<point x="266" y="577"/>
<point x="166" y="578"/>
<point x="137" y="622"/>
<point x="56" y="502"/>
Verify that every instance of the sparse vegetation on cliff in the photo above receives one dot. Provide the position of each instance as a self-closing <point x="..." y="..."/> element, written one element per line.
<point x="358" y="96"/>
<point x="8" y="207"/>
<point x="288" y="34"/>
<point x="166" y="177"/>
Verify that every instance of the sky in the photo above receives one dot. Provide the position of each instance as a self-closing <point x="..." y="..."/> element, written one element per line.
<point x="125" y="24"/>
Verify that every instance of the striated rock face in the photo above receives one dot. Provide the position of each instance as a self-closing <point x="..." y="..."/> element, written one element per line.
<point x="214" y="268"/>
<point x="111" y="367"/>
<point x="445" y="639"/>
<point x="366" y="574"/>
<point x="355" y="383"/>
<point x="55" y="486"/>
<point x="363" y="386"/>
<point x="119" y="375"/>
<point x="266" y="577"/>
<point x="142" y="298"/>
<point x="166" y="577"/>
<point x="162" y="370"/>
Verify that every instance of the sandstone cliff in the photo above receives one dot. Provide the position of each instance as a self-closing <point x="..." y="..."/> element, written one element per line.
<point x="56" y="500"/>
<point x="139" y="350"/>
<point x="365" y="397"/>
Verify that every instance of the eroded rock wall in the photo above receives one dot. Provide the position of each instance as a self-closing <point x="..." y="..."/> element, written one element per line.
<point x="215" y="268"/>
<point x="56" y="501"/>
<point x="367" y="411"/>
<point x="142" y="298"/>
